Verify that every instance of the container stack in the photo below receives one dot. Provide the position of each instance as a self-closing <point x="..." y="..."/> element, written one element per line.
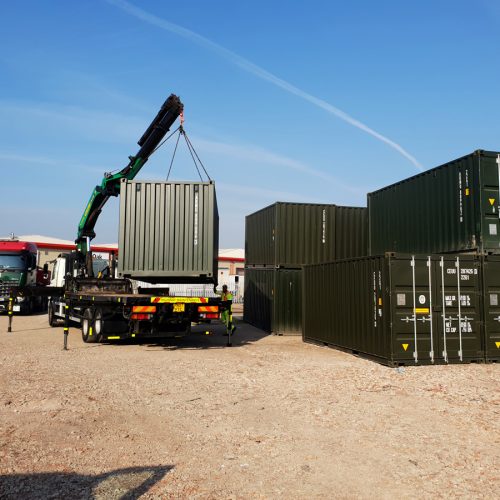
<point x="279" y="240"/>
<point x="430" y="290"/>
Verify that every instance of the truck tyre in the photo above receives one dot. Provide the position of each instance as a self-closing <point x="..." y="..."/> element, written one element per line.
<point x="88" y="334"/>
<point x="27" y="306"/>
<point x="53" y="321"/>
<point x="98" y="326"/>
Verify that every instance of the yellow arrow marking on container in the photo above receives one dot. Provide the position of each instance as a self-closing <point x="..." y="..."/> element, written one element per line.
<point x="491" y="200"/>
<point x="405" y="346"/>
<point x="498" y="345"/>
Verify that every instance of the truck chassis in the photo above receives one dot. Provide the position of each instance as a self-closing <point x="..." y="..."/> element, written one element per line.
<point x="106" y="317"/>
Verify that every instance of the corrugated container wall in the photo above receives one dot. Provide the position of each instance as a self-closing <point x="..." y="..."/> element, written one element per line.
<point x="396" y="309"/>
<point x="273" y="300"/>
<point x="169" y="231"/>
<point x="491" y="300"/>
<point x="292" y="234"/>
<point x="451" y="208"/>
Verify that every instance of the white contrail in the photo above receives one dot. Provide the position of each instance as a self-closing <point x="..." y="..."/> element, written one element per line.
<point x="259" y="72"/>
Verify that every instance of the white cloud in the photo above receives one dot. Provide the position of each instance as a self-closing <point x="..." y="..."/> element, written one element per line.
<point x="262" y="156"/>
<point x="94" y="124"/>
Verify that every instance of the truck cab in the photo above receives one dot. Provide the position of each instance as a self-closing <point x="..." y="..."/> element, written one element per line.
<point x="18" y="268"/>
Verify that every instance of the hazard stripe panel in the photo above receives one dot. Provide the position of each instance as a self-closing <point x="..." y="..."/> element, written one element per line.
<point x="175" y="300"/>
<point x="208" y="309"/>
<point x="144" y="309"/>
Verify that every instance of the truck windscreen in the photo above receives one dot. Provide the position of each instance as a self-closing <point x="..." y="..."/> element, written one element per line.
<point x="12" y="261"/>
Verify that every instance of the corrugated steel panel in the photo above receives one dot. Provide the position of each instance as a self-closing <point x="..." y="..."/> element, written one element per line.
<point x="292" y="234"/>
<point x="451" y="208"/>
<point x="273" y="300"/>
<point x="491" y="301"/>
<point x="260" y="237"/>
<point x="258" y="298"/>
<point x="351" y="232"/>
<point x="168" y="231"/>
<point x="396" y="309"/>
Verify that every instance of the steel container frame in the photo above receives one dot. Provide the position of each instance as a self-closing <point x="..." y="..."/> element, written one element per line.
<point x="451" y="208"/>
<point x="292" y="234"/>
<point x="491" y="307"/>
<point x="169" y="231"/>
<point x="273" y="300"/>
<point x="397" y="309"/>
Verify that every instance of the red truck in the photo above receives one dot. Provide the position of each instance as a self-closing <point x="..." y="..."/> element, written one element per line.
<point x="18" y="268"/>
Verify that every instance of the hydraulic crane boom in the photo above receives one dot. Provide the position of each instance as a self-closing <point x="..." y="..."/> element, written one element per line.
<point x="110" y="185"/>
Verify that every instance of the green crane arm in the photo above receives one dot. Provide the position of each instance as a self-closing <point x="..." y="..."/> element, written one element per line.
<point x="110" y="185"/>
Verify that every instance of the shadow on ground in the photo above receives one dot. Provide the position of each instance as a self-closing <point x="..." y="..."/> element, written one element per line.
<point x="210" y="336"/>
<point x="123" y="484"/>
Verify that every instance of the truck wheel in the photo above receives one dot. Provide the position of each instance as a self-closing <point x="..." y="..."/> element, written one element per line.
<point x="28" y="306"/>
<point x="98" y="326"/>
<point x="53" y="321"/>
<point x="88" y="333"/>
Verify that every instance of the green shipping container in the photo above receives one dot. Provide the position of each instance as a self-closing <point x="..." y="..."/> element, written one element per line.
<point x="396" y="309"/>
<point x="273" y="300"/>
<point x="451" y="208"/>
<point x="292" y="234"/>
<point x="169" y="232"/>
<point x="491" y="300"/>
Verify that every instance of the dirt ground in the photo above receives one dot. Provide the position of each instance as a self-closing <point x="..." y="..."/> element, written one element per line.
<point x="269" y="417"/>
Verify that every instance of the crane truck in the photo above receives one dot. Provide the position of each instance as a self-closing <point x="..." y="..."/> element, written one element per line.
<point x="108" y="308"/>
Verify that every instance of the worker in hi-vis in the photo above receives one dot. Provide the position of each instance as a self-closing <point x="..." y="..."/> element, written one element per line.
<point x="227" y="315"/>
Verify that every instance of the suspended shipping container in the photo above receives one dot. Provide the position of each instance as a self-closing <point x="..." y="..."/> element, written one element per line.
<point x="396" y="309"/>
<point x="292" y="234"/>
<point x="491" y="300"/>
<point x="451" y="208"/>
<point x="273" y="300"/>
<point x="169" y="231"/>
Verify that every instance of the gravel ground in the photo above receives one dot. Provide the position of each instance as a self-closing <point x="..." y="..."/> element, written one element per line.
<point x="269" y="417"/>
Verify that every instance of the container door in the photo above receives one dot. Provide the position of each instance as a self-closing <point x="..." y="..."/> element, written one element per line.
<point x="412" y="291"/>
<point x="287" y="317"/>
<point x="491" y="304"/>
<point x="490" y="202"/>
<point x="258" y="298"/>
<point x="458" y="303"/>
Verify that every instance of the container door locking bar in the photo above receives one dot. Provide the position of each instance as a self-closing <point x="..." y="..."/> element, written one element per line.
<point x="498" y="163"/>
<point x="429" y="265"/>
<point x="415" y="352"/>
<point x="457" y="265"/>
<point x="445" y="351"/>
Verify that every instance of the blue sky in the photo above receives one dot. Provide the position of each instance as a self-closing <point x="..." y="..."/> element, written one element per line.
<point x="317" y="101"/>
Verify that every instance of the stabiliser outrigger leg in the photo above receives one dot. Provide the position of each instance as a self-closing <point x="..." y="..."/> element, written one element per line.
<point x="10" y="310"/>
<point x="43" y="291"/>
